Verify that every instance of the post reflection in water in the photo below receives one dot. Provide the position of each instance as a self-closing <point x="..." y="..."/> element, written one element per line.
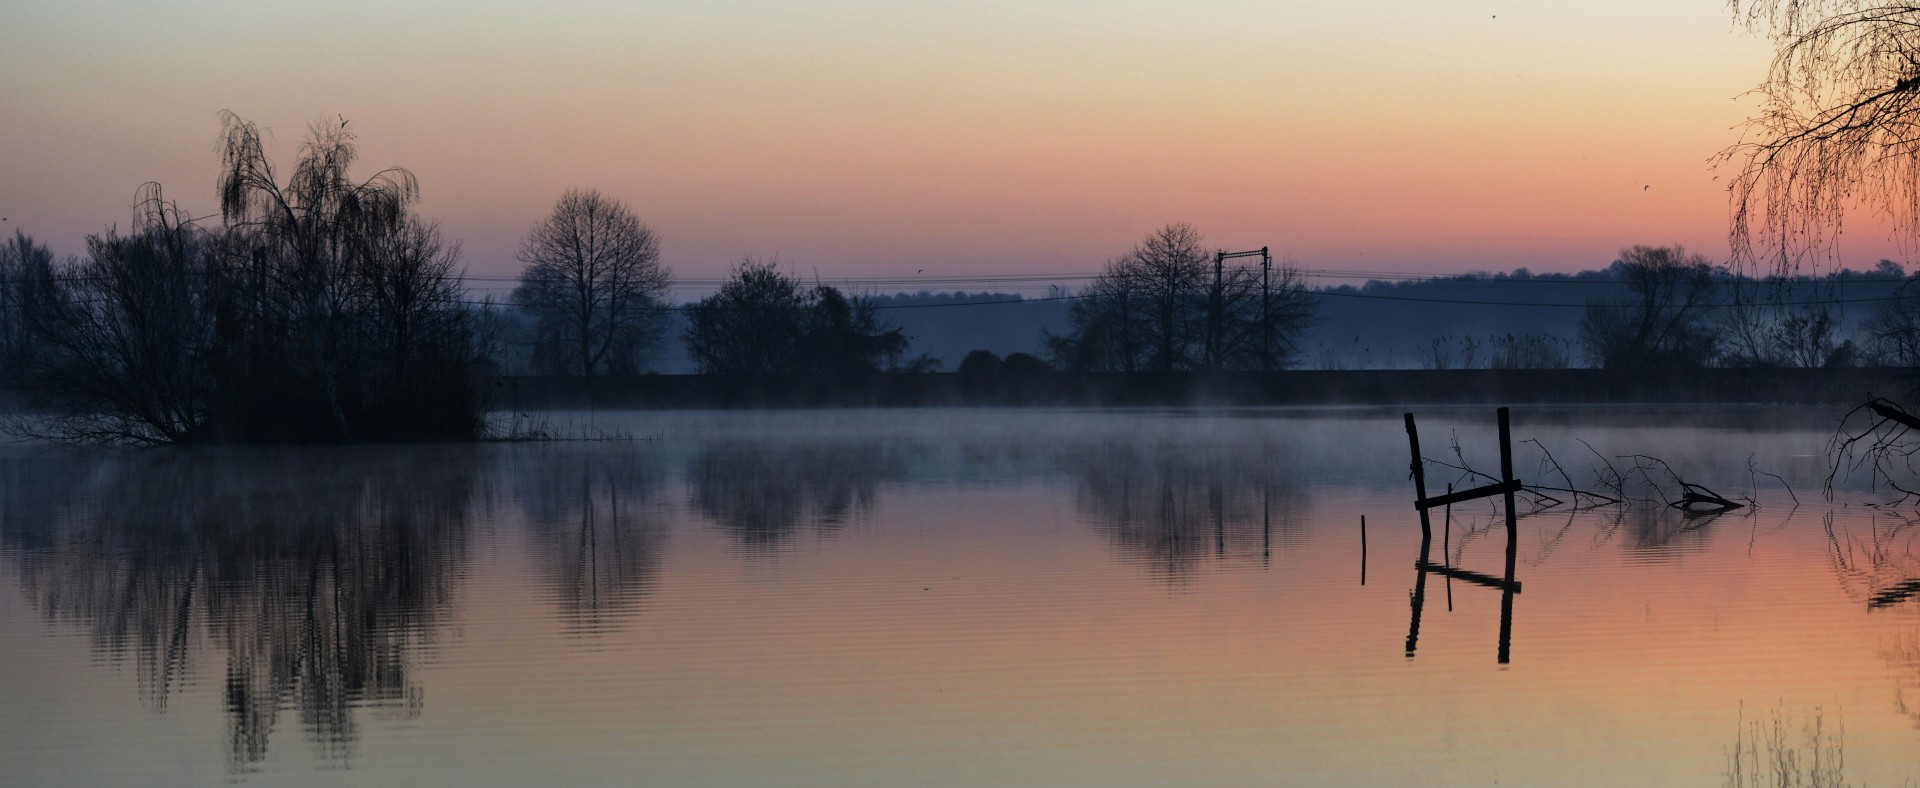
<point x="317" y="578"/>
<point x="1505" y="486"/>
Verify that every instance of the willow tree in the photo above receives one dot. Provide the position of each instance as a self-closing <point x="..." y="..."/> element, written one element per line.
<point x="355" y="326"/>
<point x="1838" y="129"/>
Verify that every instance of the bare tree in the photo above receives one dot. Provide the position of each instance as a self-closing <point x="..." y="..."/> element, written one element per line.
<point x="1161" y="308"/>
<point x="1172" y="274"/>
<point x="29" y="295"/>
<point x="130" y="357"/>
<point x="1892" y="334"/>
<point x="1663" y="324"/>
<point x="1839" y="127"/>
<point x="594" y="283"/>
<point x="1256" y="318"/>
<point x="1107" y="331"/>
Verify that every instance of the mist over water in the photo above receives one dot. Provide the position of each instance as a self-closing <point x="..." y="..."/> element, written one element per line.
<point x="944" y="596"/>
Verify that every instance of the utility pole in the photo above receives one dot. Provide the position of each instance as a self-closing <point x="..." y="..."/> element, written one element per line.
<point x="1213" y="314"/>
<point x="1214" y="349"/>
<point x="1266" y="325"/>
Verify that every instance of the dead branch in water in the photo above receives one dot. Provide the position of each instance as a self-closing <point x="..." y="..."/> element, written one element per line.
<point x="1549" y="464"/>
<point x="1753" y="472"/>
<point x="1694" y="499"/>
<point x="1884" y="447"/>
<point x="1609" y="476"/>
<point x="1544" y="495"/>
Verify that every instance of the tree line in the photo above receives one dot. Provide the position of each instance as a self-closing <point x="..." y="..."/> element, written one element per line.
<point x="321" y="307"/>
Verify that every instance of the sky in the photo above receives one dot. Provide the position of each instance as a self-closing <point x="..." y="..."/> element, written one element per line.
<point x="982" y="137"/>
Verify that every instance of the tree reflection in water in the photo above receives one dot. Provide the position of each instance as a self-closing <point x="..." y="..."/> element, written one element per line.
<point x="1174" y="510"/>
<point x="1880" y="570"/>
<point x="600" y="528"/>
<point x="319" y="574"/>
<point x="765" y="493"/>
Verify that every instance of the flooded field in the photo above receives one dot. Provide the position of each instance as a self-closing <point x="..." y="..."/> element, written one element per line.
<point x="954" y="597"/>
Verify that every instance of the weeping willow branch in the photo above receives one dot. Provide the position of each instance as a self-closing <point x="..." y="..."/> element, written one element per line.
<point x="1838" y="128"/>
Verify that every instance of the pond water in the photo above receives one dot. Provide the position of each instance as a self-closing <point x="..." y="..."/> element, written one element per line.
<point x="952" y="596"/>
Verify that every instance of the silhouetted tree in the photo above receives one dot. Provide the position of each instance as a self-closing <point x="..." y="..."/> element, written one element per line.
<point x="1171" y="272"/>
<point x="354" y="325"/>
<point x="1261" y="318"/>
<point x="130" y="356"/>
<point x="979" y="363"/>
<point x="751" y="325"/>
<point x="29" y="295"/>
<point x="323" y="310"/>
<point x="1161" y="308"/>
<point x="1663" y="324"/>
<point x="1839" y="127"/>
<point x="845" y="336"/>
<point x="1107" y="331"/>
<point x="1023" y="365"/>
<point x="763" y="322"/>
<point x="595" y="286"/>
<point x="1892" y="334"/>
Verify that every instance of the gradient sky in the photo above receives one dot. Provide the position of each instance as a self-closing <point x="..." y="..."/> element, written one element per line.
<point x="884" y="138"/>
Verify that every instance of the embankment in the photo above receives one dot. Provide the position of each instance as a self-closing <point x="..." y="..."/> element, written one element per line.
<point x="1304" y="387"/>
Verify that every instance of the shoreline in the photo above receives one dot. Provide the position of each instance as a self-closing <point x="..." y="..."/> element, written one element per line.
<point x="1302" y="387"/>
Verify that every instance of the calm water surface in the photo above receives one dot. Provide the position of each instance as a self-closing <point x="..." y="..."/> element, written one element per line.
<point x="924" y="597"/>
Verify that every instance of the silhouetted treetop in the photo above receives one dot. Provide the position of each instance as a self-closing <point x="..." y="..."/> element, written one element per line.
<point x="594" y="285"/>
<point x="762" y="321"/>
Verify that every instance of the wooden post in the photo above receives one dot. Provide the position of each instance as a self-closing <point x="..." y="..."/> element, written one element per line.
<point x="1418" y="601"/>
<point x="1513" y="538"/>
<point x="1419" y="481"/>
<point x="1446" y="546"/>
<point x="1506" y="487"/>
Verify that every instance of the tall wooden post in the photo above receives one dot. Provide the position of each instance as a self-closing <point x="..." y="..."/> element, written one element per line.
<point x="1419" y="481"/>
<point x="1513" y="538"/>
<point x="1419" y="599"/>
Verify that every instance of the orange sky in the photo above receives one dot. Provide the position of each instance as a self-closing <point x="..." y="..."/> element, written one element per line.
<point x="864" y="138"/>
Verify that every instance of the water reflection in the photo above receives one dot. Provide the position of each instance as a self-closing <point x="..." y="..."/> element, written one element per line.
<point x="599" y="525"/>
<point x="317" y="578"/>
<point x="313" y="590"/>
<point x="1507" y="585"/>
<point x="1878" y="568"/>
<point x="1504" y="486"/>
<point x="1657" y="530"/>
<point x="764" y="493"/>
<point x="1173" y="510"/>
